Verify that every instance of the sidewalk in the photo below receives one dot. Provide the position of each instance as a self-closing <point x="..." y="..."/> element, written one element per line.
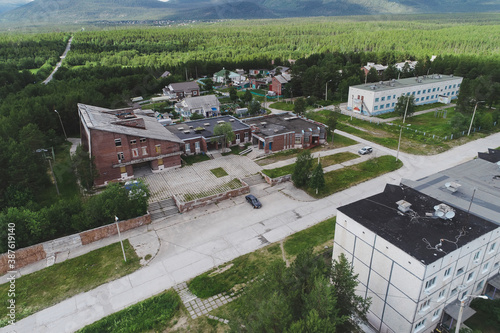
<point x="197" y="241"/>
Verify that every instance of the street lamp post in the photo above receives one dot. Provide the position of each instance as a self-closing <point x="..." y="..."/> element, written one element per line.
<point x="43" y="151"/>
<point x="120" y="237"/>
<point x="473" y="114"/>
<point x="326" y="90"/>
<point x="462" y="305"/>
<point x="64" y="131"/>
<point x="401" y="129"/>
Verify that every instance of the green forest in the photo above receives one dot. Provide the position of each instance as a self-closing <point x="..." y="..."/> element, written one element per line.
<point x="106" y="67"/>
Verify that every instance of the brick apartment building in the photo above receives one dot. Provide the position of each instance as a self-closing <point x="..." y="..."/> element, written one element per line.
<point x="285" y="131"/>
<point x="124" y="139"/>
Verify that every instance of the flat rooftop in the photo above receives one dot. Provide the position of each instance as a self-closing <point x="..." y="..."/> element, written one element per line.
<point x="407" y="83"/>
<point x="280" y="123"/>
<point x="478" y="187"/>
<point x="187" y="130"/>
<point x="426" y="238"/>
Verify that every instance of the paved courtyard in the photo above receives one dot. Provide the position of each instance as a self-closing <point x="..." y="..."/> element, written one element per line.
<point x="198" y="177"/>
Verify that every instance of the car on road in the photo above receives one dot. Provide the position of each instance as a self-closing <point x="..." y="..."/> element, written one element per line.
<point x="365" y="150"/>
<point x="253" y="201"/>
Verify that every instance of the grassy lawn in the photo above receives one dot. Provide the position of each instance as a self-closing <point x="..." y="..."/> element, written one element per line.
<point x="219" y="172"/>
<point x="315" y="237"/>
<point x="431" y="124"/>
<point x="153" y="314"/>
<point x="51" y="285"/>
<point x="236" y="150"/>
<point x="191" y="159"/>
<point x="66" y="178"/>
<point x="282" y="106"/>
<point x="325" y="161"/>
<point x="234" y="274"/>
<point x="341" y="179"/>
<point x="486" y="318"/>
<point x="157" y="106"/>
<point x="417" y="108"/>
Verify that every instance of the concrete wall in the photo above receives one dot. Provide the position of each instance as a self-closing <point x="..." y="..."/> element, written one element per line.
<point x="202" y="202"/>
<point x="277" y="180"/>
<point x="35" y="253"/>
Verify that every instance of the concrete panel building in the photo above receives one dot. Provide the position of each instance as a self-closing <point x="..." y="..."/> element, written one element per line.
<point x="416" y="257"/>
<point x="124" y="139"/>
<point x="377" y="98"/>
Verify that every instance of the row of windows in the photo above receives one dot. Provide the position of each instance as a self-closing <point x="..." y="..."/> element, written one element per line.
<point x="135" y="152"/>
<point x="118" y="142"/>
<point x="377" y="99"/>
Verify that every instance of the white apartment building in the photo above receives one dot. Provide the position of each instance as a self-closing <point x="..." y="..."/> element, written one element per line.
<point x="377" y="98"/>
<point x="415" y="257"/>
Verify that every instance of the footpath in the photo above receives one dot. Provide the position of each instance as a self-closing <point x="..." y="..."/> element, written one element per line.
<point x="194" y="242"/>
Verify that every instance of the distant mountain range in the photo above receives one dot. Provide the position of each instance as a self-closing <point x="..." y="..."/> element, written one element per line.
<point x="80" y="11"/>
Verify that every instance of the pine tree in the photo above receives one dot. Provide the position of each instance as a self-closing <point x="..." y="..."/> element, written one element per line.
<point x="302" y="169"/>
<point x="317" y="178"/>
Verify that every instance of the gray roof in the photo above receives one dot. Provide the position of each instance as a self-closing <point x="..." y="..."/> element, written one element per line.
<point x="408" y="82"/>
<point x="184" y="86"/>
<point x="200" y="102"/>
<point x="186" y="130"/>
<point x="479" y="182"/>
<point x="281" y="123"/>
<point x="283" y="78"/>
<point x="425" y="237"/>
<point x="121" y="121"/>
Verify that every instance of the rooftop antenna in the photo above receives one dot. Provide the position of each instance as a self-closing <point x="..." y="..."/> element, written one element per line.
<point x="470" y="204"/>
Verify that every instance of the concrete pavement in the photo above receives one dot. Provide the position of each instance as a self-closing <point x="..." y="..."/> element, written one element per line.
<point x="199" y="240"/>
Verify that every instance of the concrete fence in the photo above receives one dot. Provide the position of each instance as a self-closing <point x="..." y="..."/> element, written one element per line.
<point x="277" y="180"/>
<point x="185" y="206"/>
<point x="48" y="250"/>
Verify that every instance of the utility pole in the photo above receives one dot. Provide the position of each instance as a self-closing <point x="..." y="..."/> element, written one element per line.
<point x="473" y="114"/>
<point x="401" y="129"/>
<point x="64" y="131"/>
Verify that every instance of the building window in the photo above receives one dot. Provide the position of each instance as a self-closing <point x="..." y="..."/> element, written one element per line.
<point x="441" y="294"/>
<point x="417" y="99"/>
<point x="476" y="256"/>
<point x="492" y="247"/>
<point x="470" y="277"/>
<point x="388" y="98"/>
<point x="246" y="136"/>
<point x="427" y="98"/>
<point x="382" y="106"/>
<point x="453" y="292"/>
<point x="118" y="142"/>
<point x="430" y="283"/>
<point x="297" y="140"/>
<point x="382" y="99"/>
<point x="433" y="89"/>
<point x="485" y="267"/>
<point x="158" y="149"/>
<point x="447" y="272"/>
<point x="495" y="266"/>
<point x="425" y="305"/>
<point x="133" y="142"/>
<point x="460" y="271"/>
<point x="428" y="91"/>
<point x="197" y="145"/>
<point x="120" y="157"/>
<point x="418" y="92"/>
<point x="393" y="104"/>
<point x="388" y="105"/>
<point x="375" y="108"/>
<point x="394" y="96"/>
<point x="187" y="148"/>
<point x="420" y="325"/>
<point x="436" y="314"/>
<point x="463" y="295"/>
<point x="238" y="136"/>
<point x="144" y="150"/>
<point x="142" y="140"/>
<point x="480" y="286"/>
<point x="135" y="152"/>
<point x="376" y="99"/>
<point x="413" y="93"/>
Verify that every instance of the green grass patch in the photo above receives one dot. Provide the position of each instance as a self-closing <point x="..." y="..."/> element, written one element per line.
<point x="234" y="274"/>
<point x="346" y="177"/>
<point x="340" y="141"/>
<point x="153" y="314"/>
<point x="486" y="319"/>
<point x="219" y="172"/>
<point x="157" y="106"/>
<point x="236" y="150"/>
<point x="192" y="159"/>
<point x="311" y="237"/>
<point x="325" y="161"/>
<point x="282" y="106"/>
<point x="51" y="285"/>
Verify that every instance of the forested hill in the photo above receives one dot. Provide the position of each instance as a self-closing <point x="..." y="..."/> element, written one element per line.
<point x="78" y="11"/>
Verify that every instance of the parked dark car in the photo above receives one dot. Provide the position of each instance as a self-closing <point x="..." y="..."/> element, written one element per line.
<point x="365" y="150"/>
<point x="253" y="201"/>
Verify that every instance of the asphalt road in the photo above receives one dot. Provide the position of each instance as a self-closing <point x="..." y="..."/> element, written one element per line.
<point x="191" y="243"/>
<point x="49" y="78"/>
